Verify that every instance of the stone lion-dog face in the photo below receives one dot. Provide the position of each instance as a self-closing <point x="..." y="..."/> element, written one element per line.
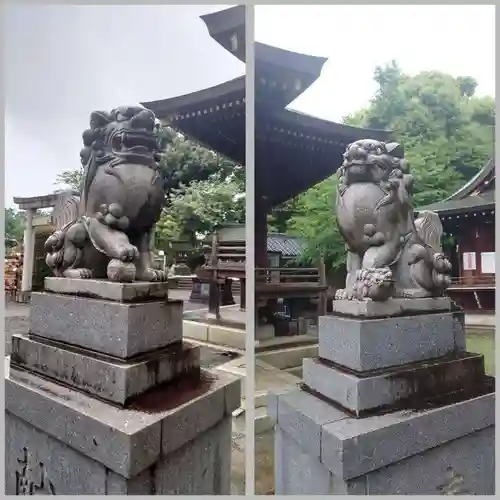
<point x="369" y="160"/>
<point x="126" y="134"/>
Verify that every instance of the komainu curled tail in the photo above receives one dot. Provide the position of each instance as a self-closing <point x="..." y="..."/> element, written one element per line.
<point x="429" y="267"/>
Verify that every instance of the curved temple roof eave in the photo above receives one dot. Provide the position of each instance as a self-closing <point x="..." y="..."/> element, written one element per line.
<point x="475" y="182"/>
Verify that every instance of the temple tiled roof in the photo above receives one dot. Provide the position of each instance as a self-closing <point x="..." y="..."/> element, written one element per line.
<point x="285" y="244"/>
<point x="477" y="194"/>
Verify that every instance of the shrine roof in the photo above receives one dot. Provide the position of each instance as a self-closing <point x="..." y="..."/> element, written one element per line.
<point x="286" y="245"/>
<point x="476" y="195"/>
<point x="293" y="150"/>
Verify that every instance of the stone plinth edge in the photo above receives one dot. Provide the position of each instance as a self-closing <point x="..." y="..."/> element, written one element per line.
<point x="138" y="291"/>
<point x="392" y="307"/>
<point x="350" y="447"/>
<point x="127" y="441"/>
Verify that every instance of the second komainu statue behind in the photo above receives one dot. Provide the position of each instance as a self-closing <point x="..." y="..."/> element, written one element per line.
<point x="106" y="229"/>
<point x="390" y="254"/>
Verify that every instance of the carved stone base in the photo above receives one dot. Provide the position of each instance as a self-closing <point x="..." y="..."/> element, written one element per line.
<point x="102" y="289"/>
<point x="107" y="378"/>
<point x="371" y="344"/>
<point x="386" y="389"/>
<point x="320" y="450"/>
<point x="121" y="329"/>
<point x="175" y="440"/>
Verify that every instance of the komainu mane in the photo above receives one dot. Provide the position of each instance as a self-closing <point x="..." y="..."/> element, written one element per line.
<point x="105" y="230"/>
<point x="390" y="254"/>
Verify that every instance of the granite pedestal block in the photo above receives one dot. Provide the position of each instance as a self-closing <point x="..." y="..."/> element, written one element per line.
<point x="103" y="397"/>
<point x="108" y="378"/>
<point x="321" y="450"/>
<point x="120" y="329"/>
<point x="382" y="389"/>
<point x="173" y="440"/>
<point x="370" y="344"/>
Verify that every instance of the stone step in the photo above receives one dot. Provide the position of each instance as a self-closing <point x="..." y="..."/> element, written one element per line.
<point x="104" y="377"/>
<point x="405" y="385"/>
<point x="288" y="357"/>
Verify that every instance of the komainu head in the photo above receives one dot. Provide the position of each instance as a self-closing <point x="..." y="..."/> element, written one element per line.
<point x="127" y="134"/>
<point x="368" y="160"/>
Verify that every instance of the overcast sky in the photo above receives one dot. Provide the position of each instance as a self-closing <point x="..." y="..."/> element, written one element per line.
<point x="459" y="40"/>
<point x="63" y="62"/>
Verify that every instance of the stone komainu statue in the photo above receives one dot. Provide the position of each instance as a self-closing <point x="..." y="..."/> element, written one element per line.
<point x="389" y="253"/>
<point x="105" y="230"/>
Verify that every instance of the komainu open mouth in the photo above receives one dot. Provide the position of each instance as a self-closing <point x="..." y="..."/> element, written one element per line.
<point x="135" y="142"/>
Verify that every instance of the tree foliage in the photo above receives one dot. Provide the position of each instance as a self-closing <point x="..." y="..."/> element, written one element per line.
<point x="448" y="135"/>
<point x="196" y="210"/>
<point x="71" y="178"/>
<point x="14" y="227"/>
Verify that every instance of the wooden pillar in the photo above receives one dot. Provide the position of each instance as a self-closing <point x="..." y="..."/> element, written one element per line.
<point x="214" y="290"/>
<point x="322" y="302"/>
<point x="243" y="294"/>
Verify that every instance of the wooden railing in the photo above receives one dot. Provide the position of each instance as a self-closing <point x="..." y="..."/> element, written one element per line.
<point x="272" y="282"/>
<point x="226" y="263"/>
<point x="473" y="281"/>
<point x="288" y="275"/>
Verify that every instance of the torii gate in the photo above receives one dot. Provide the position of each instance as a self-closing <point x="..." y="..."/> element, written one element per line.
<point x="31" y="205"/>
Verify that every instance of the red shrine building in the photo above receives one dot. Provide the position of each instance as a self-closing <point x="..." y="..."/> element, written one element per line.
<point x="468" y="216"/>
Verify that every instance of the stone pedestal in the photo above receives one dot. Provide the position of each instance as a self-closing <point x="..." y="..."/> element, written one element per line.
<point x="393" y="405"/>
<point x="103" y="397"/>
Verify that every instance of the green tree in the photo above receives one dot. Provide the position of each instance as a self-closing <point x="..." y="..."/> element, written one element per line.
<point x="195" y="211"/>
<point x="448" y="135"/>
<point x="277" y="220"/>
<point x="184" y="161"/>
<point x="433" y="111"/>
<point x="314" y="223"/>
<point x="14" y="226"/>
<point x="71" y="178"/>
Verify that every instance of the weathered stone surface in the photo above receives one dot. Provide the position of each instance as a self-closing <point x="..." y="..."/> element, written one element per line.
<point x="297" y="472"/>
<point x="462" y="466"/>
<point x="109" y="290"/>
<point x="352" y="449"/>
<point x="423" y="380"/>
<point x="45" y="465"/>
<point x="200" y="467"/>
<point x="35" y="455"/>
<point x="370" y="344"/>
<point x="103" y="377"/>
<point x="113" y="328"/>
<point x="393" y="307"/>
<point x="302" y="417"/>
<point x="127" y="441"/>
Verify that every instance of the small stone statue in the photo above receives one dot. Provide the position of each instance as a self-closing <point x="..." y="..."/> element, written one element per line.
<point x="105" y="230"/>
<point x="390" y="254"/>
